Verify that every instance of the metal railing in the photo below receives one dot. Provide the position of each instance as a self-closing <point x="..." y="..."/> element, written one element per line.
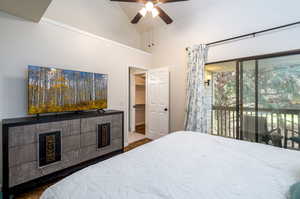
<point x="284" y="122"/>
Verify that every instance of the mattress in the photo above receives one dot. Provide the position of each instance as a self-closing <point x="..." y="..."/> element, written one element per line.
<point x="186" y="165"/>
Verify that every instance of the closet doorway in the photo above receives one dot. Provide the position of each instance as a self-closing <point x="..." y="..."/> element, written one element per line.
<point x="138" y="96"/>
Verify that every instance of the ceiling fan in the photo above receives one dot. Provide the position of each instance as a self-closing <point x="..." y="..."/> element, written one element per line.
<point x="153" y="7"/>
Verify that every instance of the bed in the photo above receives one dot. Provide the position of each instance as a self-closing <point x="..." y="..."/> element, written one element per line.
<point x="186" y="165"/>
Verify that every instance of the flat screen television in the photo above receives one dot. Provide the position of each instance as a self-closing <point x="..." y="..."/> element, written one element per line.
<point x="52" y="90"/>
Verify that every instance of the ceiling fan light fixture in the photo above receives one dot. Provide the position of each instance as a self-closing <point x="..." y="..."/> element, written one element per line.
<point x="155" y="12"/>
<point x="149" y="6"/>
<point x="143" y="12"/>
<point x="152" y="6"/>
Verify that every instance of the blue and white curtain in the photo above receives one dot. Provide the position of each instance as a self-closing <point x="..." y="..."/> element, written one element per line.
<point x="198" y="105"/>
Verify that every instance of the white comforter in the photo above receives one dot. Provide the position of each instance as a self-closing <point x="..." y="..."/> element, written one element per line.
<point x="186" y="165"/>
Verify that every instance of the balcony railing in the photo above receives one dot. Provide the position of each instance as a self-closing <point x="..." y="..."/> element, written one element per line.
<point x="282" y="123"/>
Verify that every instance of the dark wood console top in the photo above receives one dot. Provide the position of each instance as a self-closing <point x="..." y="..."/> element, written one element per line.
<point x="55" y="118"/>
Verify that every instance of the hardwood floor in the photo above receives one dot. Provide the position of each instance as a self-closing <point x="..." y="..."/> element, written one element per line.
<point x="141" y="129"/>
<point x="137" y="144"/>
<point x="35" y="194"/>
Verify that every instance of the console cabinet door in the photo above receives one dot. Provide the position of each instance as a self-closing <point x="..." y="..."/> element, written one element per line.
<point x="24" y="149"/>
<point x="91" y="136"/>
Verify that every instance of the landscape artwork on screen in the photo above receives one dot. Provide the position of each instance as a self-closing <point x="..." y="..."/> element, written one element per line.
<point x="55" y="90"/>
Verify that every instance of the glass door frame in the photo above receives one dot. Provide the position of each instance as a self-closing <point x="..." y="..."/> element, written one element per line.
<point x="239" y="91"/>
<point x="239" y="96"/>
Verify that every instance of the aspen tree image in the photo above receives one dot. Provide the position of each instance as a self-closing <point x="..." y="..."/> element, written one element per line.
<point x="56" y="90"/>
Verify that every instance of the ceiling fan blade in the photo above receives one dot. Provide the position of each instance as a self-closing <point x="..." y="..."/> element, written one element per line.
<point x="137" y="18"/>
<point x="171" y="1"/>
<point x="164" y="15"/>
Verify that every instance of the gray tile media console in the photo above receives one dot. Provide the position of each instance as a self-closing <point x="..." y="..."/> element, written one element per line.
<point x="39" y="150"/>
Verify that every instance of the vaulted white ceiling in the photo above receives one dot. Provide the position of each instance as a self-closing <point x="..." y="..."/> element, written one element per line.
<point x="28" y="9"/>
<point x="177" y="11"/>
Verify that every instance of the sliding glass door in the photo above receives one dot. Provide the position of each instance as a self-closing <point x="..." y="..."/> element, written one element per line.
<point x="247" y="85"/>
<point x="257" y="100"/>
<point x="224" y="98"/>
<point x="279" y="98"/>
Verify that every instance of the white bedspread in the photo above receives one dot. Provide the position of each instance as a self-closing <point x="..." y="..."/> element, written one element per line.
<point x="186" y="165"/>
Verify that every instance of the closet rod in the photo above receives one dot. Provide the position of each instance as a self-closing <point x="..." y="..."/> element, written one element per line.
<point x="254" y="34"/>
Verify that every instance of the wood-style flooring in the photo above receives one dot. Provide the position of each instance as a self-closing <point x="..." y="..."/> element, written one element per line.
<point x="35" y="194"/>
<point x="140" y="129"/>
<point x="137" y="144"/>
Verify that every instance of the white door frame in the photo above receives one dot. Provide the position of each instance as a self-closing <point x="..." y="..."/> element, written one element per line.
<point x="132" y="102"/>
<point x="129" y="108"/>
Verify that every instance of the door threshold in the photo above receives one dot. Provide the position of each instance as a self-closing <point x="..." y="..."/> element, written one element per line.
<point x="134" y="136"/>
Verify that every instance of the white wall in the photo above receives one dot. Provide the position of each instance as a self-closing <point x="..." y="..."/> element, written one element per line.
<point x="101" y="17"/>
<point x="221" y="20"/>
<point x="47" y="44"/>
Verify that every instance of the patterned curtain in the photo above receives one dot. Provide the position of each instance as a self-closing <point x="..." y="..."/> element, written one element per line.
<point x="198" y="105"/>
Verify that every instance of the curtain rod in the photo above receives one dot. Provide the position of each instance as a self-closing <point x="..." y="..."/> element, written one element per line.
<point x="254" y="34"/>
